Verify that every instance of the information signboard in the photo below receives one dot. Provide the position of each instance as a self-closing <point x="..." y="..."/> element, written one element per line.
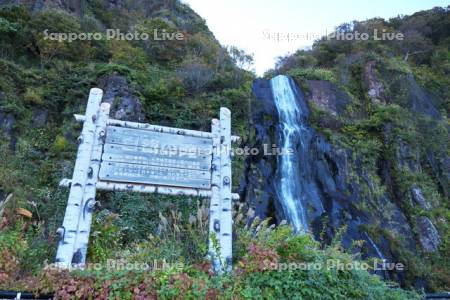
<point x="139" y="157"/>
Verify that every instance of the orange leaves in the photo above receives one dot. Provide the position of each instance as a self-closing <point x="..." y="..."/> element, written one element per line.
<point x="258" y="259"/>
<point x="24" y="212"/>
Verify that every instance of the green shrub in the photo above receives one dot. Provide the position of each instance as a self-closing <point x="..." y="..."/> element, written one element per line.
<point x="33" y="96"/>
<point x="121" y="51"/>
<point x="61" y="144"/>
<point x="7" y="27"/>
<point x="312" y="74"/>
<point x="104" y="69"/>
<point x="105" y="237"/>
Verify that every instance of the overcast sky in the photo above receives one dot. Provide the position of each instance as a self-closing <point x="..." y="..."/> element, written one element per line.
<point x="248" y="24"/>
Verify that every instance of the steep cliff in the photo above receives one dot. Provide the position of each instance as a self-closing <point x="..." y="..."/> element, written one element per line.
<point x="378" y="151"/>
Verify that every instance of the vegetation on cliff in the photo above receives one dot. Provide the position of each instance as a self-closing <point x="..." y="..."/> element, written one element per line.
<point x="392" y="117"/>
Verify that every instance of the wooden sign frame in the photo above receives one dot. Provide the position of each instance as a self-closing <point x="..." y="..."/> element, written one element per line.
<point x="209" y="175"/>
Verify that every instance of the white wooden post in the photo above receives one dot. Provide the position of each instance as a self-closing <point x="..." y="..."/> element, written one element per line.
<point x="220" y="213"/>
<point x="85" y="221"/>
<point x="76" y="206"/>
<point x="226" y="220"/>
<point x="215" y="207"/>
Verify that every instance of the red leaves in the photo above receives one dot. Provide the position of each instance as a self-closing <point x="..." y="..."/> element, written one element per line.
<point x="181" y="281"/>
<point x="68" y="287"/>
<point x="145" y="290"/>
<point x="258" y="259"/>
<point x="212" y="294"/>
<point x="204" y="267"/>
<point x="9" y="266"/>
<point x="4" y="222"/>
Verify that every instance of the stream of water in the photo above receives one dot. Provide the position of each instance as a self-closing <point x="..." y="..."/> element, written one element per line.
<point x="291" y="122"/>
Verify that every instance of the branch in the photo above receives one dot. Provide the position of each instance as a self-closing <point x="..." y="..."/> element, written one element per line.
<point x="414" y="53"/>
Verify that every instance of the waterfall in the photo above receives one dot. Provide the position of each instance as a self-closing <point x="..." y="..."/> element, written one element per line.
<point x="292" y="118"/>
<point x="384" y="274"/>
<point x="375" y="247"/>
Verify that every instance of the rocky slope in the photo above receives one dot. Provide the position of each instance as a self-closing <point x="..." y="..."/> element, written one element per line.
<point x="378" y="151"/>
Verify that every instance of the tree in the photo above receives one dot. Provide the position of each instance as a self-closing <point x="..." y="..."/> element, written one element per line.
<point x="240" y="58"/>
<point x="414" y="43"/>
<point x="195" y="75"/>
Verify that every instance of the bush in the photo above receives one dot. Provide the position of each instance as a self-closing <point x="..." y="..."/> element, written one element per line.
<point x="195" y="75"/>
<point x="7" y="27"/>
<point x="164" y="51"/>
<point x="55" y="21"/>
<point x="104" y="69"/>
<point x="105" y="237"/>
<point x="33" y="96"/>
<point x="257" y="275"/>
<point x="61" y="144"/>
<point x="122" y="51"/>
<point x="312" y="74"/>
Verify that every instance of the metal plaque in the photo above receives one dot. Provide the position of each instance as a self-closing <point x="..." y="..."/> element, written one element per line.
<point x="158" y="140"/>
<point x="148" y="157"/>
<point x="124" y="172"/>
<point x="153" y="157"/>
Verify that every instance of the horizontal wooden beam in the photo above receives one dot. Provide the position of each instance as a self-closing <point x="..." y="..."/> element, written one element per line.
<point x="149" y="188"/>
<point x="156" y="128"/>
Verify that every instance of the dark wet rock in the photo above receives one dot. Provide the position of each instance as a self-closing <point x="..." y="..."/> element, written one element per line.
<point x="391" y="218"/>
<point x="7" y="122"/>
<point x="327" y="96"/>
<point x="403" y="89"/>
<point x="257" y="186"/>
<point x="39" y="117"/>
<point x="374" y="85"/>
<point x="124" y="104"/>
<point x="419" y="99"/>
<point x="428" y="235"/>
<point x="407" y="156"/>
<point x="440" y="166"/>
<point x="345" y="65"/>
<point x="419" y="199"/>
<point x="446" y="174"/>
<point x="438" y="296"/>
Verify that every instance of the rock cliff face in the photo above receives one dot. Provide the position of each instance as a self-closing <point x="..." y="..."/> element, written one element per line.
<point x="257" y="185"/>
<point x="374" y="86"/>
<point x="74" y="6"/>
<point x="327" y="96"/>
<point x="349" y="194"/>
<point x="78" y="7"/>
<point x="124" y="104"/>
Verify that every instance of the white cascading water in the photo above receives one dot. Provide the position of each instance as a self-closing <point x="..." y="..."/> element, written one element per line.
<point x="291" y="123"/>
<point x="379" y="253"/>
<point x="375" y="247"/>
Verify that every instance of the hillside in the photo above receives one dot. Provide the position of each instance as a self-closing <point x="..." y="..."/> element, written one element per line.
<point x="380" y="152"/>
<point x="381" y="108"/>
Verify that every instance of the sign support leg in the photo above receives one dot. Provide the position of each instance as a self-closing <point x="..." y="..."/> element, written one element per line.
<point x="215" y="204"/>
<point x="84" y="225"/>
<point x="66" y="253"/>
<point x="226" y="221"/>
